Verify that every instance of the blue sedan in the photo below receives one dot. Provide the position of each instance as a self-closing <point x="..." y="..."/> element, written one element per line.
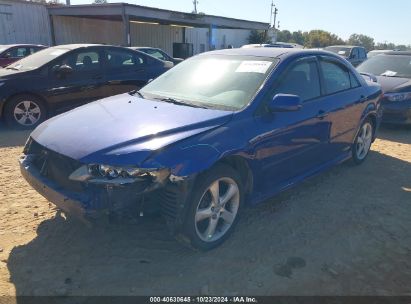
<point x="218" y="131"/>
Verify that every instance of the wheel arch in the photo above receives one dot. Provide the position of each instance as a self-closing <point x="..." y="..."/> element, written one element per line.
<point x="241" y="165"/>
<point x="38" y="96"/>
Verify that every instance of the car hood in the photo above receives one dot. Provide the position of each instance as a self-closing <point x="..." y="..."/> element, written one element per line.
<point x="123" y="125"/>
<point x="9" y="73"/>
<point x="393" y="84"/>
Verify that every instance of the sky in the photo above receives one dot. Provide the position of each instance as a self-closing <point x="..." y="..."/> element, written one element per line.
<point x="385" y="21"/>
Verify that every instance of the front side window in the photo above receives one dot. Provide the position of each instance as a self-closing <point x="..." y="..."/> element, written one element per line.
<point x="81" y="61"/>
<point x="336" y="78"/>
<point x="214" y="81"/>
<point x="301" y="80"/>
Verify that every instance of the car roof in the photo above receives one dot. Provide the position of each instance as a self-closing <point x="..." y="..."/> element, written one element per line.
<point x="76" y="46"/>
<point x="268" y="52"/>
<point x="346" y="46"/>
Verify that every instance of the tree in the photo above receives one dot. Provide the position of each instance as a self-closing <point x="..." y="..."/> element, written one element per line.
<point x="284" y="36"/>
<point x="298" y="37"/>
<point x="320" y="39"/>
<point x="362" y="40"/>
<point x="257" y="37"/>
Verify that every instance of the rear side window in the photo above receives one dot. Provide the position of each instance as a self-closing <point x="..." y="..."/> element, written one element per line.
<point x="122" y="59"/>
<point x="336" y="78"/>
<point x="301" y="80"/>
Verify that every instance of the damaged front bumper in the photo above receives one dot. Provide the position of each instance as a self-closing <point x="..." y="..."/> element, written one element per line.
<point x="88" y="200"/>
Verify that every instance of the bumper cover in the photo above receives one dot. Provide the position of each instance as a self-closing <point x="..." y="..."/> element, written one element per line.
<point x="69" y="202"/>
<point x="397" y="112"/>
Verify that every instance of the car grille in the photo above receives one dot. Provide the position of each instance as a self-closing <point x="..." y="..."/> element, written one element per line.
<point x="54" y="166"/>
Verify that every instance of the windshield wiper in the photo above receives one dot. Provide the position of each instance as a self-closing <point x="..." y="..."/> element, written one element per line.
<point x="12" y="68"/>
<point x="138" y="93"/>
<point x="180" y="103"/>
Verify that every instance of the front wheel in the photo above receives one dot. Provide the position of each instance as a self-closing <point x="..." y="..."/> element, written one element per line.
<point x="24" y="111"/>
<point x="214" y="208"/>
<point x="363" y="141"/>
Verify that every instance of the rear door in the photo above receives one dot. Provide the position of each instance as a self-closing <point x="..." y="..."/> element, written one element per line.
<point x="124" y="70"/>
<point x="343" y="98"/>
<point x="82" y="85"/>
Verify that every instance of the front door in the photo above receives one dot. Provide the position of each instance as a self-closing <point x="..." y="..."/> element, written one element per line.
<point x="290" y="145"/>
<point x="82" y="85"/>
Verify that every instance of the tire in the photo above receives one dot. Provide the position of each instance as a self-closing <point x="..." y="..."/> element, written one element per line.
<point x="203" y="214"/>
<point x="24" y="112"/>
<point x="363" y="140"/>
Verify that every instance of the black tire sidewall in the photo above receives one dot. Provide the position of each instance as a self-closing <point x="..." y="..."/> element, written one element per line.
<point x="201" y="184"/>
<point x="12" y="103"/>
<point x="354" y="146"/>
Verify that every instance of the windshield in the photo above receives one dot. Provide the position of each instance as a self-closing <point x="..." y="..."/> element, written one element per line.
<point x="342" y="51"/>
<point x="388" y="65"/>
<point x="38" y="59"/>
<point x="215" y="81"/>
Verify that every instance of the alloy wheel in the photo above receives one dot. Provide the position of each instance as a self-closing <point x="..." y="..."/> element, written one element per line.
<point x="27" y="113"/>
<point x="217" y="209"/>
<point x="364" y="141"/>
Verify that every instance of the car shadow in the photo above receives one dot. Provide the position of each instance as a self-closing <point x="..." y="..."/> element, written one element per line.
<point x="12" y="137"/>
<point x="327" y="236"/>
<point x="400" y="134"/>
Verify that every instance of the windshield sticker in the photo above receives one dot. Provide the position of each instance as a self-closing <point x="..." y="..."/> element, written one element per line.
<point x="341" y="52"/>
<point x="389" y="73"/>
<point x="253" y="67"/>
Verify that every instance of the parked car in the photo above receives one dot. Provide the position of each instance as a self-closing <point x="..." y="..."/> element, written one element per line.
<point x="354" y="54"/>
<point x="377" y="52"/>
<point x="157" y="53"/>
<point x="13" y="52"/>
<point x="218" y="131"/>
<point x="65" y="76"/>
<point x="393" y="71"/>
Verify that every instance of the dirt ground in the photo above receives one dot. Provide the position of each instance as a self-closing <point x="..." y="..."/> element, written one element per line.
<point x="344" y="232"/>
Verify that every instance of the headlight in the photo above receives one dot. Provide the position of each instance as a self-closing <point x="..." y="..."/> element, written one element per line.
<point x="99" y="173"/>
<point x="398" y="96"/>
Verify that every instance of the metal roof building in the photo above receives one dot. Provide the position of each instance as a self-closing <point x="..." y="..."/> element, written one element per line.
<point x="121" y="24"/>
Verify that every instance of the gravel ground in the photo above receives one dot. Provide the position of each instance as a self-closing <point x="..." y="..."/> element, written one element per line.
<point x="344" y="232"/>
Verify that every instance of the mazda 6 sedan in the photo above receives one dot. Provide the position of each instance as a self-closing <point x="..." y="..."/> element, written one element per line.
<point x="217" y="132"/>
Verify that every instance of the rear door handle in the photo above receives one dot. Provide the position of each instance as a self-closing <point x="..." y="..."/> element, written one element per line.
<point x="322" y="114"/>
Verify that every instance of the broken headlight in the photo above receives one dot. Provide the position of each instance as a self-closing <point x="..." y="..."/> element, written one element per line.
<point x="99" y="173"/>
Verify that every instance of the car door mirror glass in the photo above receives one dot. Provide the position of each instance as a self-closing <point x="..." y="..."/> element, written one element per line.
<point x="285" y="103"/>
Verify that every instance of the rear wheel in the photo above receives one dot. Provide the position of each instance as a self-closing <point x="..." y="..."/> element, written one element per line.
<point x="363" y="141"/>
<point x="214" y="209"/>
<point x="24" y="111"/>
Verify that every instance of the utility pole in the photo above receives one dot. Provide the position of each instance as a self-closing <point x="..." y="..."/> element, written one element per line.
<point x="275" y="15"/>
<point x="195" y="2"/>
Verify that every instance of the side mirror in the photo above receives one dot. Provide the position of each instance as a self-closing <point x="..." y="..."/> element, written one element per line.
<point x="168" y="64"/>
<point x="285" y="103"/>
<point x="178" y="60"/>
<point x="62" y="70"/>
